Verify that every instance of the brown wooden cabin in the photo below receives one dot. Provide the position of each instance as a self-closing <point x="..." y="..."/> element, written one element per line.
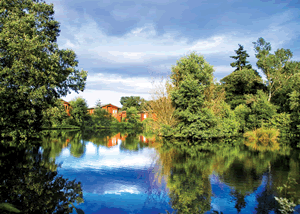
<point x="119" y="115"/>
<point x="112" y="109"/>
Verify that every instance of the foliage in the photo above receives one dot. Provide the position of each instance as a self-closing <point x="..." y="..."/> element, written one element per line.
<point x="132" y="101"/>
<point x="287" y="202"/>
<point x="276" y="67"/>
<point x="294" y="99"/>
<point x="132" y="120"/>
<point x="239" y="83"/>
<point x="194" y="98"/>
<point x="34" y="72"/>
<point x="100" y="119"/>
<point x="286" y="205"/>
<point x="241" y="57"/>
<point x="263" y="139"/>
<point x="79" y="111"/>
<point x="261" y="110"/>
<point x="27" y="182"/>
<point x="56" y="116"/>
<point x="281" y="122"/>
<point x="160" y="107"/>
<point x="242" y="113"/>
<point x="9" y="207"/>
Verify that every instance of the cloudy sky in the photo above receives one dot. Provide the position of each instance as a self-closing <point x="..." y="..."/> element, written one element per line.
<point x="124" y="45"/>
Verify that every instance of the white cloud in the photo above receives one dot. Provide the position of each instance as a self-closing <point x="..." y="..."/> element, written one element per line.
<point x="143" y="46"/>
<point x="223" y="69"/>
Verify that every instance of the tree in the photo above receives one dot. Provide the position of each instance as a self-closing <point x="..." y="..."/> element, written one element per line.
<point x="132" y="118"/>
<point x="98" y="103"/>
<point x="132" y="101"/>
<point x="239" y="83"/>
<point x="79" y="111"/>
<point x="241" y="59"/>
<point x="55" y="116"/>
<point x="34" y="72"/>
<point x="276" y="67"/>
<point x="193" y="97"/>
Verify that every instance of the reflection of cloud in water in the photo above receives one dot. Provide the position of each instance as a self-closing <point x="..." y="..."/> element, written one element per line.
<point x="65" y="152"/>
<point x="124" y="189"/>
<point x="108" y="158"/>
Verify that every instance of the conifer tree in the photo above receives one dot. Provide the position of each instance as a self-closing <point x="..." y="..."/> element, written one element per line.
<point x="241" y="61"/>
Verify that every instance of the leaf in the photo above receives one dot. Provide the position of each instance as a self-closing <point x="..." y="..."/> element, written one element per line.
<point x="9" y="207"/>
<point x="78" y="210"/>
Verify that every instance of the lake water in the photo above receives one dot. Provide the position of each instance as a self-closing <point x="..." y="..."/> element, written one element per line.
<point x="133" y="173"/>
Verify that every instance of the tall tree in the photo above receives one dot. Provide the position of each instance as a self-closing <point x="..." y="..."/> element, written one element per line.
<point x="193" y="97"/>
<point x="241" y="61"/>
<point x="277" y="67"/>
<point x="34" y="72"/>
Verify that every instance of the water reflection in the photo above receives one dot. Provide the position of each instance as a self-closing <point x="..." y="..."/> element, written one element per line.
<point x="127" y="172"/>
<point x="228" y="178"/>
<point x="117" y="171"/>
<point x="29" y="182"/>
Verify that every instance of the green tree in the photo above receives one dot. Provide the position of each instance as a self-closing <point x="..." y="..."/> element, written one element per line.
<point x="133" y="120"/>
<point x="79" y="111"/>
<point x="241" y="61"/>
<point x="239" y="83"/>
<point x="34" y="72"/>
<point x="262" y="111"/>
<point x="198" y="110"/>
<point x="277" y="67"/>
<point x="100" y="119"/>
<point x="56" y="116"/>
<point x="98" y="103"/>
<point x="132" y="101"/>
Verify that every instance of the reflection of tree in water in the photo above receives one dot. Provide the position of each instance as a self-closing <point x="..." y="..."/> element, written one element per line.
<point x="187" y="180"/>
<point x="237" y="165"/>
<point x="28" y="183"/>
<point x="132" y="143"/>
<point x="77" y="145"/>
<point x="54" y="141"/>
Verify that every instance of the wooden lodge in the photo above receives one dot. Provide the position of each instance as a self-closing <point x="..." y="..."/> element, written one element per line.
<point x="112" y="109"/>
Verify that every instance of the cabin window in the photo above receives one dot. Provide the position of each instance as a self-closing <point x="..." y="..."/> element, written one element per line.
<point x="145" y="116"/>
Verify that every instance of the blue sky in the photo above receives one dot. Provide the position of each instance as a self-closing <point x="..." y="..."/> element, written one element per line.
<point x="124" y="45"/>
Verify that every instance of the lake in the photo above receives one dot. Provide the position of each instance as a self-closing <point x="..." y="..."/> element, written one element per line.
<point x="123" y="172"/>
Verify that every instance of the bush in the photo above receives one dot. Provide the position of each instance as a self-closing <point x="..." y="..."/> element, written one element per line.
<point x="263" y="139"/>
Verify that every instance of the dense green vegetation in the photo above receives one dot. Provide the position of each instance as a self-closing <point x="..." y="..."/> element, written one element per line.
<point x="241" y="102"/>
<point x="132" y="101"/>
<point x="34" y="74"/>
<point x="34" y="71"/>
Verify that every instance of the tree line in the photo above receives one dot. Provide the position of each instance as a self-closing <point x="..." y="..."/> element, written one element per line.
<point x="199" y="107"/>
<point x="79" y="117"/>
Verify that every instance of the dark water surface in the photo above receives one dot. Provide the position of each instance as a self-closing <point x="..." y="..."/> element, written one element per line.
<point x="132" y="173"/>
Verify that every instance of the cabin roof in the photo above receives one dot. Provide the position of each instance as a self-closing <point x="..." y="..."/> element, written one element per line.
<point x="109" y="104"/>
